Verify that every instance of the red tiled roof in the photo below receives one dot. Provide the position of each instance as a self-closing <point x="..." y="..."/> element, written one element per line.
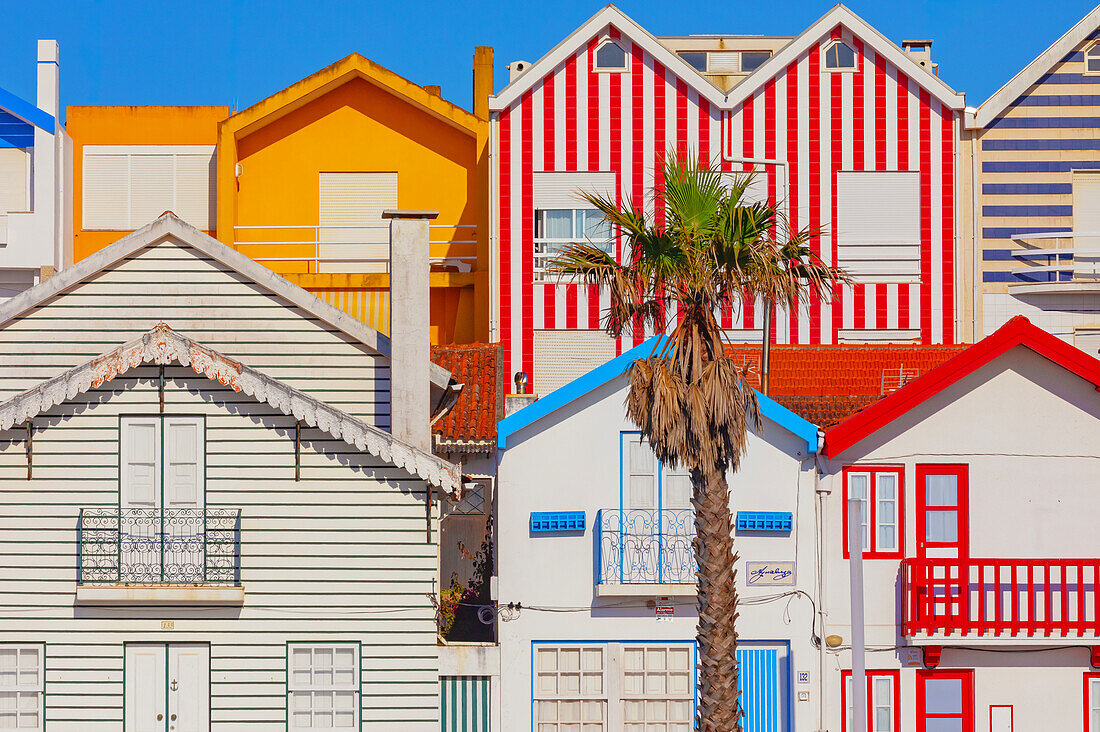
<point x="826" y="384"/>
<point x="472" y="422"/>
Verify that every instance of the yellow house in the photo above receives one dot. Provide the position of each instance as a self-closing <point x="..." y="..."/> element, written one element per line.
<point x="299" y="180"/>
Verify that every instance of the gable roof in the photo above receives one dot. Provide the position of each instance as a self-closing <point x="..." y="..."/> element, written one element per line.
<point x="162" y="345"/>
<point x="616" y="367"/>
<point x="29" y="113"/>
<point x="168" y="225"/>
<point x="841" y="15"/>
<point x="471" y="424"/>
<point x="838" y="15"/>
<point x="1030" y="74"/>
<point x="354" y="66"/>
<point x="1017" y="332"/>
<point x="824" y="384"/>
<point x="609" y="15"/>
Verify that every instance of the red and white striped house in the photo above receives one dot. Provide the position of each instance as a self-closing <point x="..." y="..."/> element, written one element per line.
<point x="844" y="128"/>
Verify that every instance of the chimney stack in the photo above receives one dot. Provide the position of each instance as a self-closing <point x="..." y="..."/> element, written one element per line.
<point x="47" y="201"/>
<point x="410" y="341"/>
<point x="921" y="52"/>
<point x="483" y="80"/>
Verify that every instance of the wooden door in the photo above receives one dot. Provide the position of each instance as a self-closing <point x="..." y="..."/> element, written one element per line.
<point x="188" y="687"/>
<point x="184" y="528"/>
<point x="140" y="500"/>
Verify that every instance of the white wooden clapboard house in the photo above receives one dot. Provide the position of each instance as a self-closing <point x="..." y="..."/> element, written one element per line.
<point x="204" y="522"/>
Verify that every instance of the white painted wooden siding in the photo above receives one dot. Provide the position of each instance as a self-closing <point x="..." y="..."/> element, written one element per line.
<point x="126" y="187"/>
<point x="341" y="555"/>
<point x="878" y="224"/>
<point x="204" y="300"/>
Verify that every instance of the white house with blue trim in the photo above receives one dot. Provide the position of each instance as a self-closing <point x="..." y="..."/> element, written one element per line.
<point x="35" y="182"/>
<point x="596" y="576"/>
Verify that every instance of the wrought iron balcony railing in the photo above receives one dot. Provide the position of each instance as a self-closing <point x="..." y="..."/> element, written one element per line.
<point x="646" y="546"/>
<point x="159" y="546"/>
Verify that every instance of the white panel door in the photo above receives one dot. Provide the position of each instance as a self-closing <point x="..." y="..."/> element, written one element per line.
<point x="188" y="687"/>
<point x="140" y="498"/>
<point x="351" y="223"/>
<point x="184" y="527"/>
<point x="145" y="688"/>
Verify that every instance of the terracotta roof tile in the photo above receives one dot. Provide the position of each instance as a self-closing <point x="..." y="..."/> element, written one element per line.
<point x="472" y="423"/>
<point x="826" y="384"/>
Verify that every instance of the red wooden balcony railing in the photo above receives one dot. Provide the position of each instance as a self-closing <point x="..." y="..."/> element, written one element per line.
<point x="1001" y="597"/>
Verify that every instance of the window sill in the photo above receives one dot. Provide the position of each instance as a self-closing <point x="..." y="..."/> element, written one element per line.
<point x="159" y="595"/>
<point x="669" y="589"/>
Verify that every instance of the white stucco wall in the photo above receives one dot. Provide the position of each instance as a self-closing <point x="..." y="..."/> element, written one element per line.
<point x="570" y="461"/>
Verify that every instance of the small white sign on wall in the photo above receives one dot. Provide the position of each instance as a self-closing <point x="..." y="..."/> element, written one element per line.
<point x="775" y="574"/>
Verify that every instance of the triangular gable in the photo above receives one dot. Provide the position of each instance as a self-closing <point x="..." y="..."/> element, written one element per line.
<point x="631" y="31"/>
<point x="1017" y="332"/>
<point x="818" y="32"/>
<point x="168" y="225"/>
<point x="616" y="367"/>
<point x="163" y="346"/>
<point x="995" y="106"/>
<point x="352" y="67"/>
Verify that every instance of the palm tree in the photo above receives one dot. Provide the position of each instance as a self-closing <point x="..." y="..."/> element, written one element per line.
<point x="708" y="251"/>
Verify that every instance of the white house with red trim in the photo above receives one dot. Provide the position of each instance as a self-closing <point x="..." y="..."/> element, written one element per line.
<point x="829" y="120"/>
<point x="981" y="563"/>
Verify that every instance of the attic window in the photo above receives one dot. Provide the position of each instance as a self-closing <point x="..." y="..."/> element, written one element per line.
<point x="1092" y="59"/>
<point x="840" y="57"/>
<point x="609" y="56"/>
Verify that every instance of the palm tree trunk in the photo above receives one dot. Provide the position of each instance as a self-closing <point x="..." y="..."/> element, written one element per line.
<point x="719" y="697"/>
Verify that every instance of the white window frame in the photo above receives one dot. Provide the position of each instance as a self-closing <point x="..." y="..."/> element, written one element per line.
<point x="37" y="689"/>
<point x="871" y="506"/>
<point x="666" y="698"/>
<point x="834" y="69"/>
<point x="1092" y="689"/>
<point x="315" y="690"/>
<point x="873" y="679"/>
<point x="1092" y="51"/>
<point x="546" y="248"/>
<point x="610" y="70"/>
<point x="767" y="56"/>
<point x="547" y="722"/>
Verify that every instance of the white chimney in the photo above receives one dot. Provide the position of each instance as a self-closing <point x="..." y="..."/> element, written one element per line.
<point x="410" y="341"/>
<point x="921" y="52"/>
<point x="49" y="159"/>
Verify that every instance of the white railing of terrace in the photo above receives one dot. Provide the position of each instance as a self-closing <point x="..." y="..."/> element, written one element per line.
<point x="361" y="248"/>
<point x="1057" y="260"/>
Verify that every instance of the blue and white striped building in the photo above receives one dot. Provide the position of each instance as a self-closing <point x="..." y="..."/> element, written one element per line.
<point x="1034" y="162"/>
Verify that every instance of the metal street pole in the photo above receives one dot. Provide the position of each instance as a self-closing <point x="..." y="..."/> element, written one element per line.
<point x="859" y="650"/>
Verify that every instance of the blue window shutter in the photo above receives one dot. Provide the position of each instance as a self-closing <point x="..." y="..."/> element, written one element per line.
<point x="759" y="685"/>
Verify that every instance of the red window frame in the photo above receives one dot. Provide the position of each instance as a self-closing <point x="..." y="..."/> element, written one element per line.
<point x="872" y="510"/>
<point x="967" y="678"/>
<point x="1089" y="676"/>
<point x="894" y="674"/>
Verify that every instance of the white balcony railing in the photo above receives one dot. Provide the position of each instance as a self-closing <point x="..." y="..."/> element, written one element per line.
<point x="363" y="248"/>
<point x="1057" y="261"/>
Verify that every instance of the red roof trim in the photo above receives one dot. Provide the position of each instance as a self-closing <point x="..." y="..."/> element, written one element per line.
<point x="1017" y="332"/>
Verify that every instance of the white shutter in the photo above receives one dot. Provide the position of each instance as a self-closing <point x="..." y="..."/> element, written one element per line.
<point x="1086" y="209"/>
<point x="13" y="179"/>
<point x="140" y="469"/>
<point x="639" y="473"/>
<point x="106" y="187"/>
<point x="723" y="62"/>
<point x="563" y="355"/>
<point x="561" y="190"/>
<point x="878" y="224"/>
<point x="184" y="449"/>
<point x="355" y="200"/>
<point x="151" y="187"/>
<point x="195" y="189"/>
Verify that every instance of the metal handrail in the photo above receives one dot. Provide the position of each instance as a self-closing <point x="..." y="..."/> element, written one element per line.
<point x="159" y="546"/>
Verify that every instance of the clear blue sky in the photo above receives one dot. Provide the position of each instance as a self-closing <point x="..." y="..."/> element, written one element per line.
<point x="228" y="52"/>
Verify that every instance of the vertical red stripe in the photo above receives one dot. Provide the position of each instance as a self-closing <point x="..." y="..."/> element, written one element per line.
<point x="903" y="164"/>
<point x="836" y="158"/>
<point x="681" y="119"/>
<point x="813" y="120"/>
<point x="548" y="163"/>
<point x="571" y="163"/>
<point x="925" y="217"/>
<point x="528" y="232"/>
<point x="748" y="146"/>
<point x="948" y="202"/>
<point x="704" y="131"/>
<point x="880" y="164"/>
<point x="859" y="292"/>
<point x="506" y="274"/>
<point x="594" y="118"/>
<point x="792" y="168"/>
